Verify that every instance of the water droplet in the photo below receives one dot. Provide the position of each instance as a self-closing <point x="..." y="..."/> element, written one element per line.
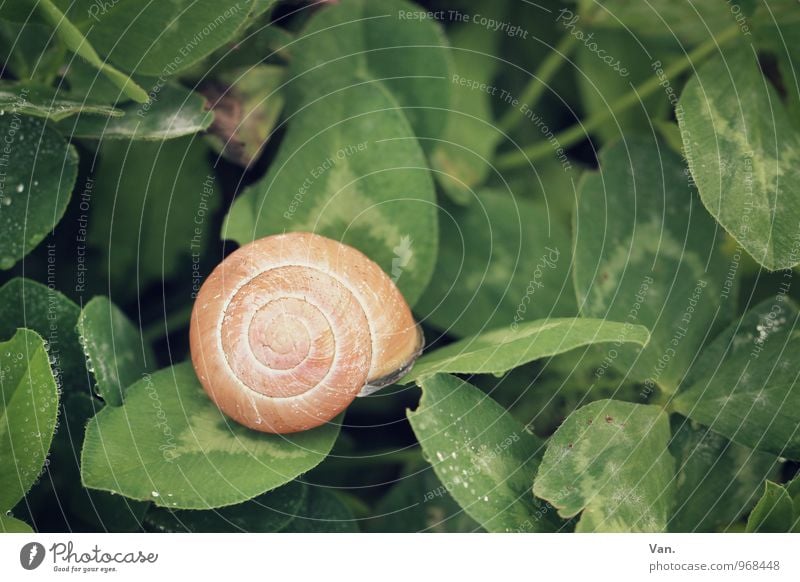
<point x="7" y="201"/>
<point x="20" y="187"/>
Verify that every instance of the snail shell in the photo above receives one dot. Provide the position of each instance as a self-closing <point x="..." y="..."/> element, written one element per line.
<point x="288" y="329"/>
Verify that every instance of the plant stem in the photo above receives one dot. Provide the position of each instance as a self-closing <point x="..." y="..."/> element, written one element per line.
<point x="536" y="86"/>
<point x="580" y="130"/>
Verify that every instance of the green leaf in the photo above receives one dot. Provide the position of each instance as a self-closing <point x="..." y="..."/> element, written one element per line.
<point x="87" y="83"/>
<point x="77" y="43"/>
<point x="500" y="350"/>
<point x="29" y="304"/>
<point x="151" y="210"/>
<point x="744" y="155"/>
<point x="40" y="170"/>
<point x="269" y="512"/>
<point x="188" y="455"/>
<point x="717" y="481"/>
<point x="362" y="180"/>
<point x="360" y="41"/>
<point x="610" y="461"/>
<point x="10" y="524"/>
<point x="773" y="512"/>
<point x="485" y="458"/>
<point x="691" y="21"/>
<point x="646" y="252"/>
<point x="462" y="158"/>
<point x="161" y="38"/>
<point x="247" y="104"/>
<point x="502" y="260"/>
<point x="322" y="512"/>
<point x="42" y="101"/>
<point x="28" y="410"/>
<point x="170" y="112"/>
<point x="115" y="351"/>
<point x="418" y="502"/>
<point x="26" y="303"/>
<point x="744" y="384"/>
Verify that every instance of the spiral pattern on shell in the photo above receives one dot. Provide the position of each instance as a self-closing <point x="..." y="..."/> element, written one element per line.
<point x="288" y="329"/>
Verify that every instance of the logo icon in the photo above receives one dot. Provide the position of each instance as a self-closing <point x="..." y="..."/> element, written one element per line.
<point x="31" y="555"/>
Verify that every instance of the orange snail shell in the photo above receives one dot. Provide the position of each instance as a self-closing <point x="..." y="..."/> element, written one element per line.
<point x="288" y="329"/>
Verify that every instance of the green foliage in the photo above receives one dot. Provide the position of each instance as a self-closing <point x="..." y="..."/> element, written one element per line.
<point x="716" y="480"/>
<point x="690" y="21"/>
<point x="744" y="386"/>
<point x="269" y="512"/>
<point x="40" y="170"/>
<point x="364" y="41"/>
<point x="153" y="199"/>
<point x="500" y="350"/>
<point x="10" y="524"/>
<point x="362" y="180"/>
<point x="115" y="351"/>
<point x="609" y="462"/>
<point x="28" y="410"/>
<point x="248" y="106"/>
<point x="42" y="101"/>
<point x="162" y="38"/>
<point x="80" y="45"/>
<point x="171" y="111"/>
<point x="419" y="502"/>
<point x="774" y="512"/>
<point x="728" y="112"/>
<point x="461" y="160"/>
<point x="27" y="304"/>
<point x="513" y="251"/>
<point x="568" y="195"/>
<point x="322" y="512"/>
<point x="483" y="457"/>
<point x="647" y="253"/>
<point x="190" y="456"/>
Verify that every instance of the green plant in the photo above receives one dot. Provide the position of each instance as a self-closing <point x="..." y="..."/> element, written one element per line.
<point x="592" y="208"/>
